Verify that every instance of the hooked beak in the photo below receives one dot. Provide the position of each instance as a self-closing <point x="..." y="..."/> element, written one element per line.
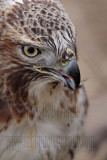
<point x="73" y="71"/>
<point x="69" y="75"/>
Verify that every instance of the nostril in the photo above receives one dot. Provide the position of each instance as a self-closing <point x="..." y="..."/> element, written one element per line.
<point x="67" y="56"/>
<point x="63" y="55"/>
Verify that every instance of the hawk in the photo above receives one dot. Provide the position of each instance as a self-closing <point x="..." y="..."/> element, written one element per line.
<point x="42" y="104"/>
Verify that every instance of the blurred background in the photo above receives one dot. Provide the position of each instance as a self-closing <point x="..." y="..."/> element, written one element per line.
<point x="90" y="20"/>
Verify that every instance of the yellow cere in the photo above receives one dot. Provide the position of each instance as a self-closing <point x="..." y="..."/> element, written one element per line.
<point x="64" y="64"/>
<point x="67" y="58"/>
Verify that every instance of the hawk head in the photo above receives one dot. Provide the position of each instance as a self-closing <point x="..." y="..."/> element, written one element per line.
<point x="37" y="53"/>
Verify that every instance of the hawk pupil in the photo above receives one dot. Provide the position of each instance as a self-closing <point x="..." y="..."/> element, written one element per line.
<point x="31" y="50"/>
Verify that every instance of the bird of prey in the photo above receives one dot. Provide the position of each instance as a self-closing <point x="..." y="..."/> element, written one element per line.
<point x="42" y="102"/>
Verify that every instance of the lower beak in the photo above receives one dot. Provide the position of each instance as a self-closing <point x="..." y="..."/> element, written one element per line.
<point x="70" y="75"/>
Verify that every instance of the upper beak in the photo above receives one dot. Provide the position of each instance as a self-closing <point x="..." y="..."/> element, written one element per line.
<point x="69" y="75"/>
<point x="73" y="71"/>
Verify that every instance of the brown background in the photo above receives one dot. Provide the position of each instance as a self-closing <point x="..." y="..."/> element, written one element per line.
<point x="90" y="20"/>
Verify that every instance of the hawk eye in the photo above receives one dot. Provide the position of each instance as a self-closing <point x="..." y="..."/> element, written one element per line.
<point x="70" y="51"/>
<point x="30" y="51"/>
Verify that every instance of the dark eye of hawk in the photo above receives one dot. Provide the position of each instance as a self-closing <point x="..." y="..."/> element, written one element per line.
<point x="30" y="51"/>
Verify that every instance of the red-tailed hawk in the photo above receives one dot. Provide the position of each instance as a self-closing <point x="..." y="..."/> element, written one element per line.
<point x="42" y="105"/>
